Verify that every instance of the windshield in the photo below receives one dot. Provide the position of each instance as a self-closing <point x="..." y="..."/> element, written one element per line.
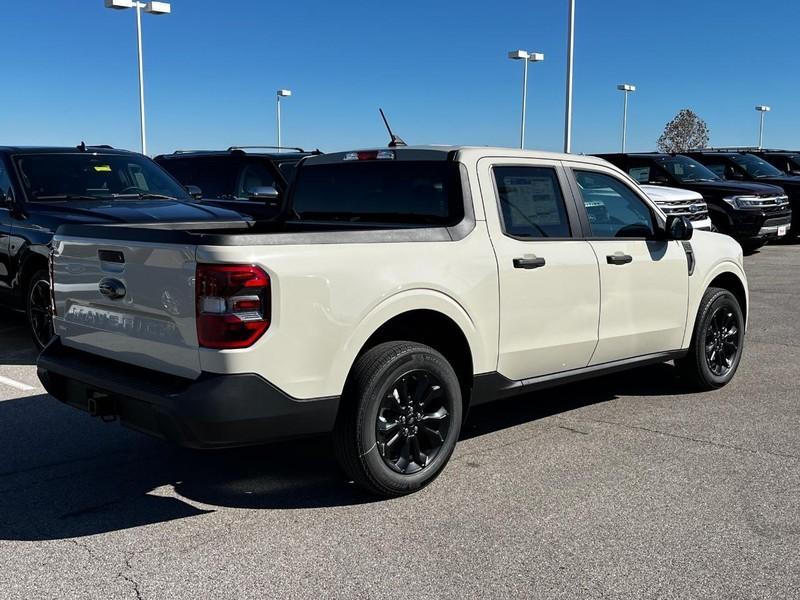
<point x="90" y="176"/>
<point x="755" y="167"/>
<point x="380" y="192"/>
<point x="794" y="162"/>
<point x="685" y="169"/>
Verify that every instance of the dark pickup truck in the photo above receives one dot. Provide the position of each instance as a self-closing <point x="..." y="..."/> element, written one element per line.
<point x="752" y="212"/>
<point x="42" y="188"/>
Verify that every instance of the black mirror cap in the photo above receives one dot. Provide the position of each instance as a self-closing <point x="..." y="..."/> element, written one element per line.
<point x="679" y="228"/>
<point x="195" y="192"/>
<point x="6" y="199"/>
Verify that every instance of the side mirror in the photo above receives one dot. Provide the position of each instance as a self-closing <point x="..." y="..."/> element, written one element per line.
<point x="195" y="192"/>
<point x="6" y="200"/>
<point x="679" y="228"/>
<point x="263" y="192"/>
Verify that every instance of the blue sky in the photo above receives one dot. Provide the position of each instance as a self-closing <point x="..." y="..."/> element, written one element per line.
<point x="438" y="68"/>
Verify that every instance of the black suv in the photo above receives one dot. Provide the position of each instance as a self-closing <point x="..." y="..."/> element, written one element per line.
<point x="737" y="165"/>
<point x="239" y="178"/>
<point x="752" y="213"/>
<point x="43" y="188"/>
<point x="787" y="161"/>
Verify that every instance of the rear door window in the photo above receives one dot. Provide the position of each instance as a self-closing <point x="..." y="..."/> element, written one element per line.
<point x="215" y="176"/>
<point x="531" y="202"/>
<point x="253" y="175"/>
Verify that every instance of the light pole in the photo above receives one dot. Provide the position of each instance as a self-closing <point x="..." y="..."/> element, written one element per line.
<point x="626" y="88"/>
<point x="280" y="94"/>
<point x="525" y="57"/>
<point x="570" y="51"/>
<point x="154" y="8"/>
<point x="762" y="108"/>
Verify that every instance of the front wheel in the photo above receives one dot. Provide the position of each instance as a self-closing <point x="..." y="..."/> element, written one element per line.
<point x="400" y="418"/>
<point x="717" y="341"/>
<point x="38" y="309"/>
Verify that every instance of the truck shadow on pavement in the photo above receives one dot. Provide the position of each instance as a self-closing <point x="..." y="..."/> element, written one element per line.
<point x="65" y="475"/>
<point x="16" y="346"/>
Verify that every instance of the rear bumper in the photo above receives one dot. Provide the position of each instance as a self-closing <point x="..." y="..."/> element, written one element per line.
<point x="212" y="411"/>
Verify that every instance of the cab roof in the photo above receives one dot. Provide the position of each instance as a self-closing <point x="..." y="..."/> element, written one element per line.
<point x="432" y="152"/>
<point x="64" y="150"/>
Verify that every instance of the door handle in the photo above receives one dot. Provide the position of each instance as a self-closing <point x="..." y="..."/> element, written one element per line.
<point x="619" y="259"/>
<point x="529" y="263"/>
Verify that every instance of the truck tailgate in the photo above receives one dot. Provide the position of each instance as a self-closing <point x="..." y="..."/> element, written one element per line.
<point x="129" y="301"/>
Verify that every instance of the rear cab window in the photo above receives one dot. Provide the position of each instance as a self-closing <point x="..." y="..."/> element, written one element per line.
<point x="385" y="193"/>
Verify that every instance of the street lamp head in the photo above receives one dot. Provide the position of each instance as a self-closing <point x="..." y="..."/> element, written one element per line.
<point x="158" y="8"/>
<point x="519" y="55"/>
<point x="626" y="87"/>
<point x="763" y="108"/>
<point x="535" y="57"/>
<point x="284" y="93"/>
<point x="119" y="4"/>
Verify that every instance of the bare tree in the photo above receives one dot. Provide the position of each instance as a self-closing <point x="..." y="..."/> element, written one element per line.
<point x="684" y="132"/>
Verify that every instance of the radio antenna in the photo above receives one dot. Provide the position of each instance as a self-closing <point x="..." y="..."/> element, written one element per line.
<point x="395" y="140"/>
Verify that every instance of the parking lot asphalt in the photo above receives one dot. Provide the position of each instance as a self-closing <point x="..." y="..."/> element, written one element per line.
<point x="627" y="486"/>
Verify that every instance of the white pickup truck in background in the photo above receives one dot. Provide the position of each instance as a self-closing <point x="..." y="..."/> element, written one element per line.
<point x="400" y="287"/>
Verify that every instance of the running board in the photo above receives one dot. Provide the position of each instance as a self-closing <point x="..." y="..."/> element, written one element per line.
<point x="494" y="386"/>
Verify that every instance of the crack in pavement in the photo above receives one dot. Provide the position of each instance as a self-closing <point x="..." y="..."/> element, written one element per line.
<point x="693" y="439"/>
<point x="83" y="546"/>
<point x="121" y="575"/>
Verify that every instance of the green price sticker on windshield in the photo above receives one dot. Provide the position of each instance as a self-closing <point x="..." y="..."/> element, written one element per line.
<point x="102" y="168"/>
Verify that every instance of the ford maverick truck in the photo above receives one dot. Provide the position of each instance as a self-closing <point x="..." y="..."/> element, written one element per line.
<point x="401" y="287"/>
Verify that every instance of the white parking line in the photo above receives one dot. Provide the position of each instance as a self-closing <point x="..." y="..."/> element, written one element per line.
<point x="15" y="384"/>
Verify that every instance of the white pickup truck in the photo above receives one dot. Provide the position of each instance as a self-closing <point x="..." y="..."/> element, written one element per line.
<point x="401" y="287"/>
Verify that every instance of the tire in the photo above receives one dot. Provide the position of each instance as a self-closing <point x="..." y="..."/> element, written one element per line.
<point x="384" y="447"/>
<point x="717" y="341"/>
<point x="751" y="246"/>
<point x="38" y="309"/>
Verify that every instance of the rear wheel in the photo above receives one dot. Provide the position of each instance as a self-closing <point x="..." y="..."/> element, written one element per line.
<point x="717" y="341"/>
<point x="400" y="418"/>
<point x="38" y="308"/>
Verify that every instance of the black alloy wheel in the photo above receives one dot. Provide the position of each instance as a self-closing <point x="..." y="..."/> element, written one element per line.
<point x="399" y="418"/>
<point x="722" y="338"/>
<point x="412" y="422"/>
<point x="39" y="309"/>
<point x="717" y="341"/>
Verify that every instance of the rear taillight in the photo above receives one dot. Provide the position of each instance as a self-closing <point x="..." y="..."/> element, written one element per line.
<point x="233" y="305"/>
<point x="52" y="283"/>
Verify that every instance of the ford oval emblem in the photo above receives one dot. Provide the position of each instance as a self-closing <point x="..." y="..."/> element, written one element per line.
<point x="112" y="289"/>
